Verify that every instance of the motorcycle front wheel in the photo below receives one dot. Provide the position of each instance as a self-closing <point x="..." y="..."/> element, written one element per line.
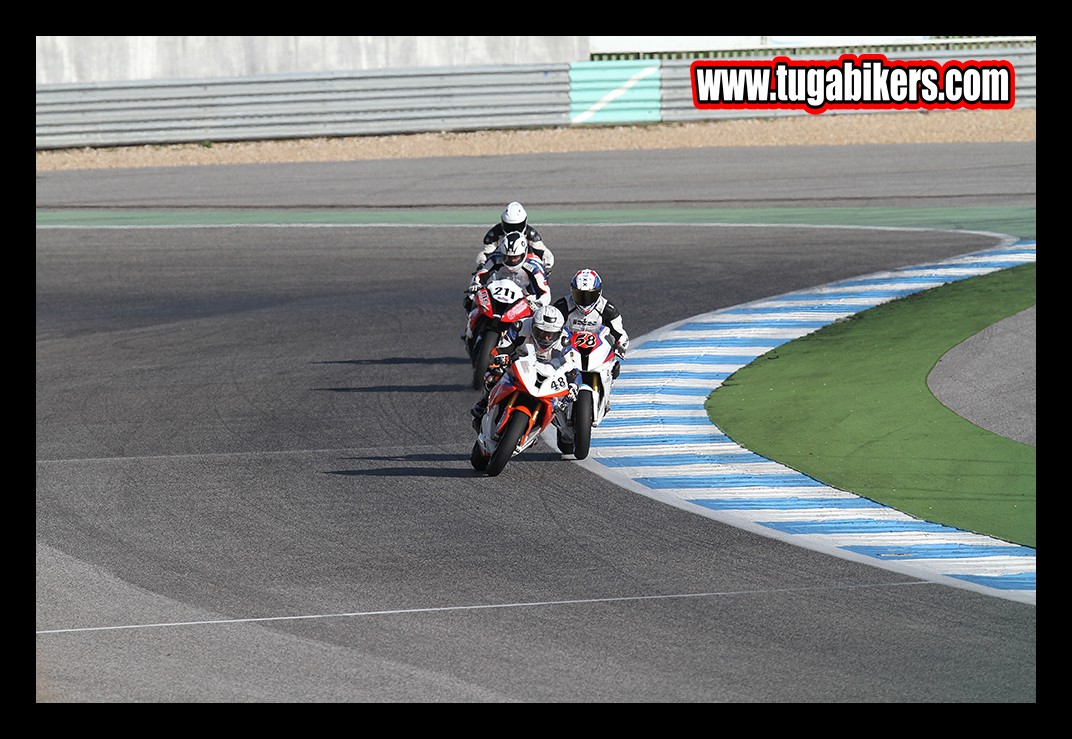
<point x="482" y="358"/>
<point x="582" y="425"/>
<point x="507" y="443"/>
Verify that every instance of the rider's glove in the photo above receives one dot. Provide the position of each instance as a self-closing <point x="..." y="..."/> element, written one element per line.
<point x="496" y="368"/>
<point x="619" y="349"/>
<point x="574" y="388"/>
<point x="533" y="303"/>
<point x="473" y="286"/>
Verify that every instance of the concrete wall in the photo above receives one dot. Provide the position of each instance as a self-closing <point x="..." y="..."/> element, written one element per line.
<point x="93" y="59"/>
<point x="626" y="44"/>
<point x="82" y="59"/>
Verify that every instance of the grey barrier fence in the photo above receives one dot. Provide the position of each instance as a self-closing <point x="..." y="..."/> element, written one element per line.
<point x="398" y="101"/>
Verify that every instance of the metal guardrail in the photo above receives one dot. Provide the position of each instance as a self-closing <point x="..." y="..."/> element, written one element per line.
<point x="401" y="101"/>
<point x="302" y="106"/>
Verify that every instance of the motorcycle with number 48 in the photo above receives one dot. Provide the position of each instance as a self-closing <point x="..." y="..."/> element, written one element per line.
<point x="520" y="408"/>
<point x="497" y="306"/>
<point x="594" y="354"/>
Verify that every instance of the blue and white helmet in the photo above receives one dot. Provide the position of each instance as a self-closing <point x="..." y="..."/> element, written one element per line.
<point x="586" y="287"/>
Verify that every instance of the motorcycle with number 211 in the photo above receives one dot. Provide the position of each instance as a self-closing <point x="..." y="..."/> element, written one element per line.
<point x="497" y="306"/>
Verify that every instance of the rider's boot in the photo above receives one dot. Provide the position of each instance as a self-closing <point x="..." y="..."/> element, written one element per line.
<point x="467" y="333"/>
<point x="564" y="440"/>
<point x="478" y="411"/>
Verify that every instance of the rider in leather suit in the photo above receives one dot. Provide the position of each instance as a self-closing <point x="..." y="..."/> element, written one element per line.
<point x="542" y="334"/>
<point x="586" y="309"/>
<point x="514" y="219"/>
<point x="512" y="262"/>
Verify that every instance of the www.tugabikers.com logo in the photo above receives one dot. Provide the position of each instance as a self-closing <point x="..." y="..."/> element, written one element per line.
<point x="868" y="81"/>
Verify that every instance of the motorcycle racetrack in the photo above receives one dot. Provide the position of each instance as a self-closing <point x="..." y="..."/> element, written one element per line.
<point x="253" y="437"/>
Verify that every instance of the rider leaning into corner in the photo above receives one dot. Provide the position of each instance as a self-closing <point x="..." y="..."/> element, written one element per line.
<point x="586" y="309"/>
<point x="512" y="261"/>
<point x="543" y="335"/>
<point x="514" y="219"/>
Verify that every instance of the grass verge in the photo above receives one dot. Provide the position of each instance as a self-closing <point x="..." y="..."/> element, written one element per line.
<point x="849" y="406"/>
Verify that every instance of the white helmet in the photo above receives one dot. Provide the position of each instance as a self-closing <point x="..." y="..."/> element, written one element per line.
<point x="514" y="218"/>
<point x="547" y="325"/>
<point x="514" y="247"/>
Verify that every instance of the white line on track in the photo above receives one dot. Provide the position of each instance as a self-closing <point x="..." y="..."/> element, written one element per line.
<point x="533" y="604"/>
<point x="399" y="450"/>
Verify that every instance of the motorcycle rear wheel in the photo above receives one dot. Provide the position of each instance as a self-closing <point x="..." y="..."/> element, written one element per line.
<point x="582" y="425"/>
<point x="507" y="443"/>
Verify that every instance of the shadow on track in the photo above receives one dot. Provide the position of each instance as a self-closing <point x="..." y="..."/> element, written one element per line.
<point x="406" y="471"/>
<point x="397" y="360"/>
<point x="396" y="389"/>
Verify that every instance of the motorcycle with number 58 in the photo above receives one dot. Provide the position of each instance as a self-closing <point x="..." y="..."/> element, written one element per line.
<point x="594" y="354"/>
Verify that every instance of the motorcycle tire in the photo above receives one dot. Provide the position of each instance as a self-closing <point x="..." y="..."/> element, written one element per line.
<point x="582" y="425"/>
<point x="477" y="458"/>
<point x="482" y="356"/>
<point x="507" y="443"/>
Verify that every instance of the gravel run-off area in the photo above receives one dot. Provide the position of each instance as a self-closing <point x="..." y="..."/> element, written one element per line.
<point x="903" y="127"/>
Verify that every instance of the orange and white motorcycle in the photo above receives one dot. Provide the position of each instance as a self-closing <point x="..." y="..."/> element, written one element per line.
<point x="520" y="408"/>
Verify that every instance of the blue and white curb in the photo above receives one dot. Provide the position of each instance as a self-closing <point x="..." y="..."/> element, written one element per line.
<point x="659" y="441"/>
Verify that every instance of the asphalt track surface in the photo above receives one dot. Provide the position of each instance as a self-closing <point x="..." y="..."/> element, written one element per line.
<point x="990" y="379"/>
<point x="252" y="451"/>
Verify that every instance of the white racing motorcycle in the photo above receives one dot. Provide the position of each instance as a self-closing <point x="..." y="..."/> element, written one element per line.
<point x="593" y="353"/>
<point x="520" y="408"/>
